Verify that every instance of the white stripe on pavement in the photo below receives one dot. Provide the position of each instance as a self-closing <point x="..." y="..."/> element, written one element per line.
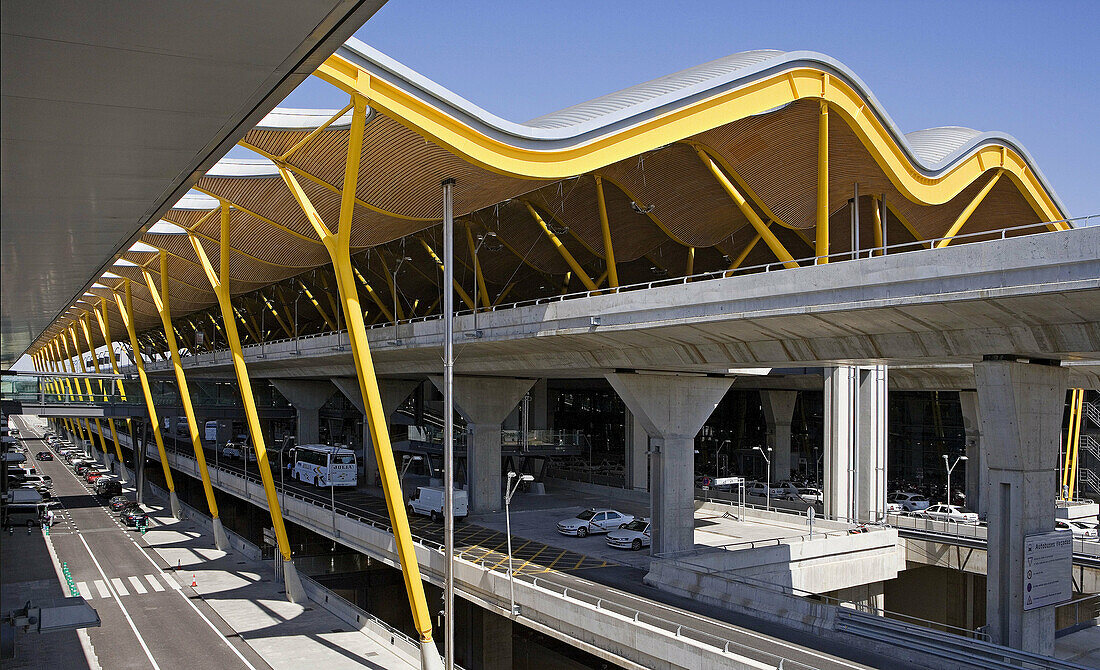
<point x="154" y="583"/>
<point x="83" y="588"/>
<point x="102" y="588"/>
<point x="137" y="585"/>
<point x="120" y="588"/>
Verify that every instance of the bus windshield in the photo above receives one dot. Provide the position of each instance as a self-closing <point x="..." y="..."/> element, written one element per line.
<point x="345" y="459"/>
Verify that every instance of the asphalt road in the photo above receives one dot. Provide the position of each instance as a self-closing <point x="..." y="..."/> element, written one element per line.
<point x="150" y="618"/>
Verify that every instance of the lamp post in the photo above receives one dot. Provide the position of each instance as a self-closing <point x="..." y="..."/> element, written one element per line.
<point x="949" y="469"/>
<point x="768" y="483"/>
<point x="480" y="241"/>
<point x="717" y="471"/>
<point x="407" y="461"/>
<point x="297" y="351"/>
<point x="509" y="492"/>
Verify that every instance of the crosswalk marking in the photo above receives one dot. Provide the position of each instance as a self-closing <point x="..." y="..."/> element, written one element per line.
<point x="120" y="588"/>
<point x="137" y="585"/>
<point x="83" y="588"/>
<point x="100" y="586"/>
<point x="154" y="583"/>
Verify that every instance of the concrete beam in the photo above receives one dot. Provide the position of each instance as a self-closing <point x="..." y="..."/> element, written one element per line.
<point x="394" y="392"/>
<point x="778" y="413"/>
<point x="307" y="397"/>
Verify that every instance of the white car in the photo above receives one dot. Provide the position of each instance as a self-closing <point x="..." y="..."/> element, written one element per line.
<point x="910" y="502"/>
<point x="894" y="508"/>
<point x="758" y="489"/>
<point x="1080" y="530"/>
<point x="594" y="521"/>
<point x="633" y="535"/>
<point x="810" y="495"/>
<point x="954" y="513"/>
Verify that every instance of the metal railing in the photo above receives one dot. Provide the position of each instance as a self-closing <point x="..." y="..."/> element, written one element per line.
<point x="803" y="262"/>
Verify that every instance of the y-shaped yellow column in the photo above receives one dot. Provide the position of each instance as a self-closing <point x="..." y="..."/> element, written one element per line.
<point x="110" y="422"/>
<point x="163" y="304"/>
<point x="126" y="309"/>
<point x="87" y="425"/>
<point x="105" y="330"/>
<point x="220" y="283"/>
<point x="91" y="396"/>
<point x="339" y="248"/>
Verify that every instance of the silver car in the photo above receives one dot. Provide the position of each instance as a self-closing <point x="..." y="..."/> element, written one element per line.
<point x="594" y="521"/>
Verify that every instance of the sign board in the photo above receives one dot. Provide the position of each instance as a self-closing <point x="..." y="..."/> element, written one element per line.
<point x="728" y="481"/>
<point x="199" y="337"/>
<point x="269" y="536"/>
<point x="1048" y="569"/>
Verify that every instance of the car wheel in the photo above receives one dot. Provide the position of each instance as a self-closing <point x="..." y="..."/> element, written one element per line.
<point x="435" y="516"/>
<point x="582" y="531"/>
<point x="411" y="510"/>
<point x="636" y="545"/>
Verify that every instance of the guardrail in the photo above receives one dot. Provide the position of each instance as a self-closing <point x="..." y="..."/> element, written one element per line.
<point x="803" y="262"/>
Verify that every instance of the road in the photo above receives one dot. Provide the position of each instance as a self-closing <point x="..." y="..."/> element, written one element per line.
<point x="150" y="618"/>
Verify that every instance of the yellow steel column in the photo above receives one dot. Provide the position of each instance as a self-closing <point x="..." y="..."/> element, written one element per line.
<point x="822" y="231"/>
<point x="91" y="396"/>
<point x="761" y="227"/>
<point x="339" y="248"/>
<point x="608" y="248"/>
<point x="876" y="207"/>
<point x="58" y="383"/>
<point x="91" y="349"/>
<point x="105" y="330"/>
<point x="164" y="307"/>
<point x="126" y="309"/>
<point x="439" y="264"/>
<point x="1067" y="445"/>
<point x="689" y="268"/>
<point x="220" y="283"/>
<point x="965" y="214"/>
<point x="568" y="257"/>
<point x="86" y="425"/>
<point x="1075" y="426"/>
<point x="478" y="276"/>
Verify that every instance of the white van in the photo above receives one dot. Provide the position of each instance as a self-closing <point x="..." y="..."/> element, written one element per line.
<point x="429" y="502"/>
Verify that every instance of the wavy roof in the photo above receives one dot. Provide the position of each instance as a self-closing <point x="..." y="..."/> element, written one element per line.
<point x="753" y="114"/>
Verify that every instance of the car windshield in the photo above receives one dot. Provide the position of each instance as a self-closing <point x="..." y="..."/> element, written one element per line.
<point x="586" y="515"/>
<point x="918" y="499"/>
<point x="637" y="525"/>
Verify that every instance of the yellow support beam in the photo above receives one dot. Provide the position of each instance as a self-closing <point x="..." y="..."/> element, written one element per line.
<point x="479" y="277"/>
<point x="439" y="264"/>
<point x="880" y="225"/>
<point x="1075" y="426"/>
<point x="339" y="248"/>
<point x="126" y="309"/>
<point x="86" y="426"/>
<point x="822" y="222"/>
<point x="1068" y="444"/>
<point x="105" y="330"/>
<point x="689" y="267"/>
<point x="608" y="247"/>
<point x="964" y="216"/>
<point x="568" y="257"/>
<point x="736" y="263"/>
<point x="95" y="367"/>
<point x="373" y="294"/>
<point x="164" y="307"/>
<point x="762" y="228"/>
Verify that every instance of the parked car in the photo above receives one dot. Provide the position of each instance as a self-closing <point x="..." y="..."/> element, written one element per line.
<point x="135" y="517"/>
<point x="633" y="535"/>
<point x="910" y="502"/>
<point x="758" y="489"/>
<point x="809" y="494"/>
<point x="108" y="487"/>
<point x="238" y="450"/>
<point x="894" y="508"/>
<point x="594" y="521"/>
<point x="428" y="501"/>
<point x="43" y="456"/>
<point x="118" y="502"/>
<point x="92" y="475"/>
<point x="1080" y="531"/>
<point x="941" y="512"/>
<point x="128" y="506"/>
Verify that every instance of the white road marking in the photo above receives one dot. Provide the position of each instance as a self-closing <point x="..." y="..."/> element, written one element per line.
<point x="136" y="583"/>
<point x="83" y="588"/>
<point x="122" y="607"/>
<point x="100" y="586"/>
<point x="120" y="588"/>
<point x="154" y="583"/>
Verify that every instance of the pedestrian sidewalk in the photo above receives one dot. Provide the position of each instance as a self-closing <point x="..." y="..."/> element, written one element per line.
<point x="247" y="596"/>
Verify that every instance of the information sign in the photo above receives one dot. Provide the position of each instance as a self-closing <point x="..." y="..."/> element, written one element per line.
<point x="728" y="481"/>
<point x="1048" y="569"/>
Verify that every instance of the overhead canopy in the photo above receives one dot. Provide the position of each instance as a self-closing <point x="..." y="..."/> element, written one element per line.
<point x="665" y="155"/>
<point x="111" y="110"/>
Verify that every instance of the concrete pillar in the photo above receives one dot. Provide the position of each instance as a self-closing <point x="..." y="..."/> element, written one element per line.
<point x="778" y="413"/>
<point x="636" y="466"/>
<point x="672" y="409"/>
<point x="855" y="442"/>
<point x="1021" y="406"/>
<point x="485" y="402"/>
<point x="307" y="397"/>
<point x="977" y="468"/>
<point x="538" y="417"/>
<point x="394" y="392"/>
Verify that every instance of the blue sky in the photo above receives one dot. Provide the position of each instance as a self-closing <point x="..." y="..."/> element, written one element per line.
<point x="1026" y="68"/>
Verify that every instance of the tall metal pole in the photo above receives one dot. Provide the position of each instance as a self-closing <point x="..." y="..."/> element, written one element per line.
<point x="448" y="423"/>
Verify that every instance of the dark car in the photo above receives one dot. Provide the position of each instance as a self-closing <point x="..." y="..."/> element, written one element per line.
<point x="118" y="502"/>
<point x="108" y="487"/>
<point x="135" y="517"/>
<point x="82" y="470"/>
<point x="43" y="456"/>
<point x="126" y="507"/>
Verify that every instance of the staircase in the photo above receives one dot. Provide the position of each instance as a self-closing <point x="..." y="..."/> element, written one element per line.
<point x="1090" y="444"/>
<point x="1092" y="412"/>
<point x="1089" y="479"/>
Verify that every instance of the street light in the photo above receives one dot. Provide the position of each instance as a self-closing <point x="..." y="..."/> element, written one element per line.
<point x="407" y="460"/>
<point x="717" y="471"/>
<point x="949" y="469"/>
<point x="768" y="483"/>
<point x="510" y="490"/>
<point x="480" y="241"/>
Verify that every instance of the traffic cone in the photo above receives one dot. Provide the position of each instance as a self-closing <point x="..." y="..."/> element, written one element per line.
<point x="194" y="584"/>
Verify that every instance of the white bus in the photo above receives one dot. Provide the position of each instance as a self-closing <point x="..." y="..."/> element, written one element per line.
<point x="324" y="465"/>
